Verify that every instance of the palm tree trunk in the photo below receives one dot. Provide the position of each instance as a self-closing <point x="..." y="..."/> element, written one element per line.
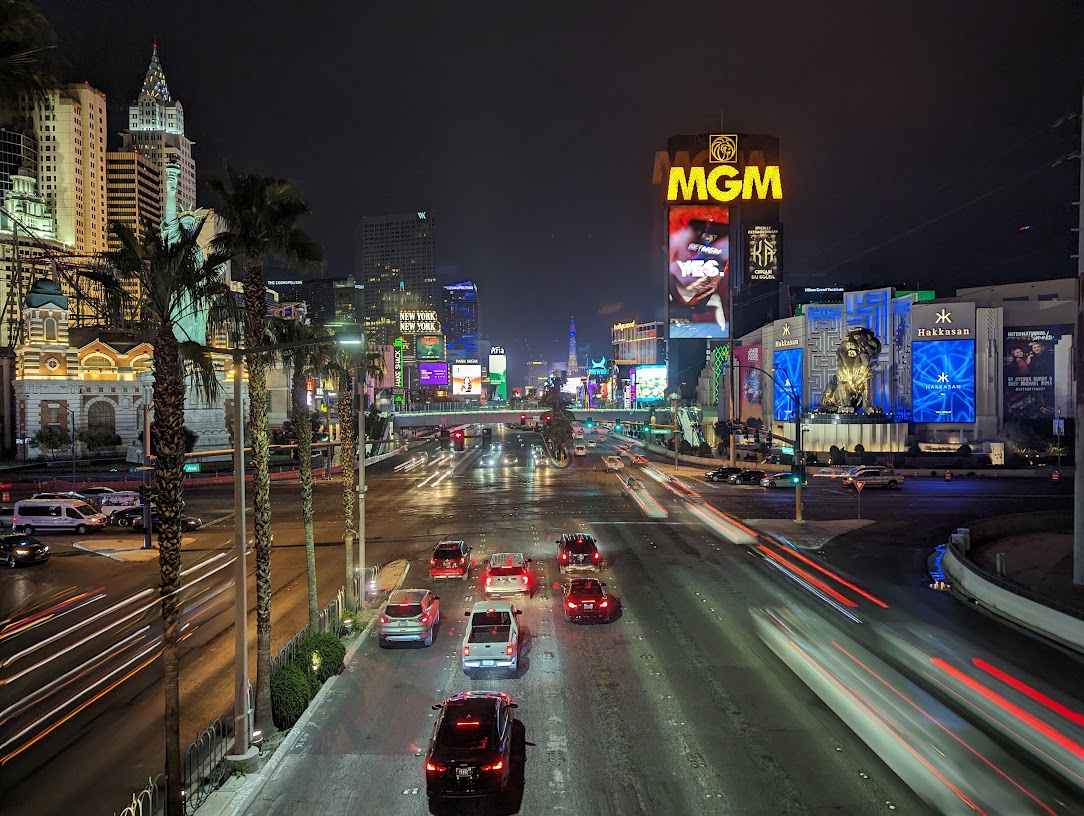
<point x="255" y="331"/>
<point x="348" y="435"/>
<point x="168" y="434"/>
<point x="303" y="431"/>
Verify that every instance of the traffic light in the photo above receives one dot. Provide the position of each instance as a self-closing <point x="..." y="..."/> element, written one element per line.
<point x="590" y="423"/>
<point x="445" y="438"/>
<point x="457" y="440"/>
<point x="617" y="427"/>
<point x="548" y="418"/>
<point x="522" y="419"/>
<point x="487" y="437"/>
<point x="797" y="475"/>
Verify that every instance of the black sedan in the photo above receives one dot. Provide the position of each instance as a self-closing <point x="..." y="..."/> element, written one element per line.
<point x="721" y="474"/>
<point x="750" y="477"/>
<point x="470" y="752"/>
<point x="586" y="599"/>
<point x="189" y="524"/>
<point x="125" y="517"/>
<point x="17" y="550"/>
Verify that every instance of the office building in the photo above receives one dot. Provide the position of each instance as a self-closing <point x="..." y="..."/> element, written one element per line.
<point x="334" y="301"/>
<point x="396" y="268"/>
<point x="292" y="290"/>
<point x="18" y="155"/>
<point x="156" y="129"/>
<point x="636" y="344"/>
<point x="134" y="191"/>
<point x="459" y="320"/>
<point x="538" y="372"/>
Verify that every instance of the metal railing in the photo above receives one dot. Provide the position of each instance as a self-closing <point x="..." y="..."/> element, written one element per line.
<point x="151" y="801"/>
<point x="204" y="765"/>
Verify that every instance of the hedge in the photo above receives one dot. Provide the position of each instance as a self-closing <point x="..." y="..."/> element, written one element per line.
<point x="291" y="694"/>
<point x="332" y="653"/>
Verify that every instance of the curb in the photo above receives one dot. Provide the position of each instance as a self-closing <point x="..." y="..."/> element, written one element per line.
<point x="291" y="738"/>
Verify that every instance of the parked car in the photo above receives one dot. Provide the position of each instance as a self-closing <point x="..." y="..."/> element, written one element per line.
<point x="578" y="551"/>
<point x="95" y="492"/>
<point x="20" y="550"/>
<point x="125" y="516"/>
<point x="507" y="574"/>
<point x="721" y="474"/>
<point x="451" y="559"/>
<point x="491" y="639"/>
<point x="752" y="477"/>
<point x="410" y="614"/>
<point x="56" y="514"/>
<point x="586" y="599"/>
<point x="189" y="524"/>
<point x="470" y="752"/>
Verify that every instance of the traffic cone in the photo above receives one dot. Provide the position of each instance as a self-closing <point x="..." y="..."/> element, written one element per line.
<point x="948" y="475"/>
<point x="1055" y="477"/>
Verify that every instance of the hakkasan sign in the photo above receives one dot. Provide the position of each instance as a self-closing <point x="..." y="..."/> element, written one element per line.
<point x="723" y="181"/>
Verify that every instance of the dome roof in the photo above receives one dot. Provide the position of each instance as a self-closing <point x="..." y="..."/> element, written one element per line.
<point x="45" y="291"/>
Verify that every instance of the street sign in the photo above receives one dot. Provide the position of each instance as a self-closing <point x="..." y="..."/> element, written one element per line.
<point x="1059" y="427"/>
<point x="191" y="467"/>
<point x="859" y="485"/>
<point x="787" y="451"/>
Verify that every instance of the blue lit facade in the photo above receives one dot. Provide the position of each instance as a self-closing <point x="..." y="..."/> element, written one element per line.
<point x="459" y="320"/>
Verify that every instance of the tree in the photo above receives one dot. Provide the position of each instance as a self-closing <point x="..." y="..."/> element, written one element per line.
<point x="558" y="432"/>
<point x="99" y="439"/>
<point x="345" y="364"/>
<point x="28" y="52"/>
<point x="190" y="440"/>
<point x="176" y="283"/>
<point x="261" y="215"/>
<point x="51" y="438"/>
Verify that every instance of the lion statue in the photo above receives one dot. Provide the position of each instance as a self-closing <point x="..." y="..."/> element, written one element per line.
<point x="850" y="389"/>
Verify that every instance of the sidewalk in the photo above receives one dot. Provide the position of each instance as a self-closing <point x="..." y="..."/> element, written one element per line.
<point x="241" y="789"/>
<point x="812" y="535"/>
<point x="1041" y="563"/>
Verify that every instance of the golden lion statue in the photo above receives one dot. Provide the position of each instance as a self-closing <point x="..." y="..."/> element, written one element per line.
<point x="850" y="388"/>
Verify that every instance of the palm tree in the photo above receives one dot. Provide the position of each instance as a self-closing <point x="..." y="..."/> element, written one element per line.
<point x="261" y="215"/>
<point x="559" y="433"/>
<point x="177" y="284"/>
<point x="28" y="52"/>
<point x="373" y="369"/>
<point x="304" y="363"/>
<point x="346" y="363"/>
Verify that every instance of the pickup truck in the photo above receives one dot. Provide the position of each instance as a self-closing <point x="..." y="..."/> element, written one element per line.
<point x="874" y="476"/>
<point x="491" y="639"/>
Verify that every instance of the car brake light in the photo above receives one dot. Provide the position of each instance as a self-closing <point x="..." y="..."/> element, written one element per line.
<point x="432" y="561"/>
<point x="462" y="561"/>
<point x="466" y="651"/>
<point x="603" y="605"/>
<point x="425" y="619"/>
<point x="405" y="604"/>
<point x="508" y="649"/>
<point x="564" y="556"/>
<point x="596" y="556"/>
<point x="524" y="578"/>
<point x="489" y="581"/>
<point x="383" y="619"/>
<point x="432" y="766"/>
<point x="496" y="766"/>
<point x="571" y="604"/>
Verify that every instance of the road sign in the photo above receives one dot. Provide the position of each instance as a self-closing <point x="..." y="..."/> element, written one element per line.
<point x="191" y="467"/>
<point x="859" y="485"/>
<point x="1059" y="426"/>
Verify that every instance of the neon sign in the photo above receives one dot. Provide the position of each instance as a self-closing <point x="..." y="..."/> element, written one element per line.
<point x="724" y="183"/>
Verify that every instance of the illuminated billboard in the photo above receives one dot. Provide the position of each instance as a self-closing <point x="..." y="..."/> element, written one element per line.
<point x="750" y="381"/>
<point x="498" y="372"/>
<point x="787" y="387"/>
<point x="1034" y="358"/>
<point x="723" y="180"/>
<point x="762" y="253"/>
<point x="419" y="321"/>
<point x="651" y="382"/>
<point x="699" y="272"/>
<point x="432" y="374"/>
<point x="466" y="379"/>
<point x="429" y="347"/>
<point x="943" y="381"/>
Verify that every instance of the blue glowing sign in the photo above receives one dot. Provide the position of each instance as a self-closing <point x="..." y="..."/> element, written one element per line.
<point x="788" y="383"/>
<point x="943" y="381"/>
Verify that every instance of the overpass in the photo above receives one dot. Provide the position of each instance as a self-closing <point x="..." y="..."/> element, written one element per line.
<point x="454" y="417"/>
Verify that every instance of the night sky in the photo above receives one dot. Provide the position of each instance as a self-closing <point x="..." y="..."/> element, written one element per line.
<point x="918" y="139"/>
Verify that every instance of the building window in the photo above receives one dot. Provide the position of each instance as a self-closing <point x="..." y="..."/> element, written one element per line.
<point x="50" y="330"/>
<point x="101" y="416"/>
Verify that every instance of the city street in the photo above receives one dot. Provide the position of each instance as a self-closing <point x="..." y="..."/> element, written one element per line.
<point x="676" y="705"/>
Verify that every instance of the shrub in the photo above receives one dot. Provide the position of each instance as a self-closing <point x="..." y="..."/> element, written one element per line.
<point x="836" y="456"/>
<point x="330" y="649"/>
<point x="686" y="448"/>
<point x="290" y="694"/>
<point x="859" y="448"/>
<point x="963" y="450"/>
<point x="868" y="458"/>
<point x="704" y="449"/>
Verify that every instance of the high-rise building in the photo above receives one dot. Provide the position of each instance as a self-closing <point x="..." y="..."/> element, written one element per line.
<point x="459" y="320"/>
<point x="134" y="191"/>
<point x="538" y="372"/>
<point x="396" y="266"/>
<point x="333" y="300"/>
<point x="18" y="155"/>
<point x="156" y="129"/>
<point x="639" y="343"/>
<point x="573" y="365"/>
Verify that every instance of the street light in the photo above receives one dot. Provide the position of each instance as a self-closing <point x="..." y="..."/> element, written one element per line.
<point x="674" y="401"/>
<point x="241" y="736"/>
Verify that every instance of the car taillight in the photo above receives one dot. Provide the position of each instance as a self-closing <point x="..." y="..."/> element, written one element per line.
<point x="564" y="556"/>
<point x="508" y="649"/>
<point x="466" y="651"/>
<point x="496" y="766"/>
<point x="489" y="581"/>
<point x="432" y="561"/>
<point x="524" y="579"/>
<point x="571" y="604"/>
<point x="462" y="561"/>
<point x="425" y="619"/>
<point x="432" y="766"/>
<point x="603" y="605"/>
<point x="383" y="619"/>
<point x="596" y="555"/>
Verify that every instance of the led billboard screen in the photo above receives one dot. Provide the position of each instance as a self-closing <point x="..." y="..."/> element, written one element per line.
<point x="498" y="372"/>
<point x="699" y="272"/>
<point x="429" y="347"/>
<point x="788" y="384"/>
<point x="432" y="374"/>
<point x="466" y="379"/>
<point x="1034" y="357"/>
<point x="943" y="381"/>
<point x="762" y="253"/>
<point x="651" y="383"/>
<point x="419" y="321"/>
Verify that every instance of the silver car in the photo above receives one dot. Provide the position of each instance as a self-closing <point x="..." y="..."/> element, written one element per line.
<point x="411" y="614"/>
<point x="508" y="574"/>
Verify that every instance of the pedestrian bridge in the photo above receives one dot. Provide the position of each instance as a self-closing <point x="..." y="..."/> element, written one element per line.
<point x="454" y="417"/>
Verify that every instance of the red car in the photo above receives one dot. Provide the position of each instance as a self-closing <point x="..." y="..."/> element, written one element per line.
<point x="451" y="559"/>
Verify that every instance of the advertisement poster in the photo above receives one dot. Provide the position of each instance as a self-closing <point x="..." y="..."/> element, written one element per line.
<point x="651" y="383"/>
<point x="498" y="373"/>
<point x="432" y="374"/>
<point x="943" y="381"/>
<point x="762" y="253"/>
<point x="429" y="347"/>
<point x="419" y="321"/>
<point x="750" y="381"/>
<point x="699" y="271"/>
<point x="1036" y="369"/>
<point x="788" y="384"/>
<point x="466" y="380"/>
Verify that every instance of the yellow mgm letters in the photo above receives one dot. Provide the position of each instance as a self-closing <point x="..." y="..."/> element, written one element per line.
<point x="698" y="184"/>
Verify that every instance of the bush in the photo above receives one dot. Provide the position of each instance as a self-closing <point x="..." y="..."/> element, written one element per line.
<point x="860" y="449"/>
<point x="686" y="448"/>
<point x="836" y="456"/>
<point x="868" y="458"/>
<point x="290" y="694"/>
<point x="963" y="450"/>
<point x="330" y="649"/>
<point x="704" y="449"/>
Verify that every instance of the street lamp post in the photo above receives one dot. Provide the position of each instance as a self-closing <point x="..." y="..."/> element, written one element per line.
<point x="361" y="488"/>
<point x="674" y="402"/>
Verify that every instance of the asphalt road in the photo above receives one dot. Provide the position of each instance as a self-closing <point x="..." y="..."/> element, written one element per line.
<point x="677" y="706"/>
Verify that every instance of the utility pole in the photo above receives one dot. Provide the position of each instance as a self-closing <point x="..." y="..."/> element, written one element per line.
<point x="1078" y="356"/>
<point x="735" y="380"/>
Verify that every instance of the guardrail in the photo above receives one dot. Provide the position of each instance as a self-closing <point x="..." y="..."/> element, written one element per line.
<point x="204" y="765"/>
<point x="151" y="801"/>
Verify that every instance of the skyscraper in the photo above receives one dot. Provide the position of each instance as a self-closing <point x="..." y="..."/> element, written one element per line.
<point x="134" y="191"/>
<point x="156" y="129"/>
<point x="396" y="265"/>
<point x="573" y="366"/>
<point x="459" y="320"/>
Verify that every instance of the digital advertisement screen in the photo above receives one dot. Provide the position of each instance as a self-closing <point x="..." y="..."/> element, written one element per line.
<point x="651" y="383"/>
<point x="466" y="379"/>
<point x="943" y="381"/>
<point x="762" y="253"/>
<point x="699" y="272"/>
<point x="750" y="381"/>
<point x="432" y="374"/>
<point x="498" y="375"/>
<point x="788" y="384"/>
<point x="429" y="347"/>
<point x="1034" y="357"/>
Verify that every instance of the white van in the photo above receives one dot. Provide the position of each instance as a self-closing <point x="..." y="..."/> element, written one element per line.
<point x="118" y="500"/>
<point x="32" y="515"/>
